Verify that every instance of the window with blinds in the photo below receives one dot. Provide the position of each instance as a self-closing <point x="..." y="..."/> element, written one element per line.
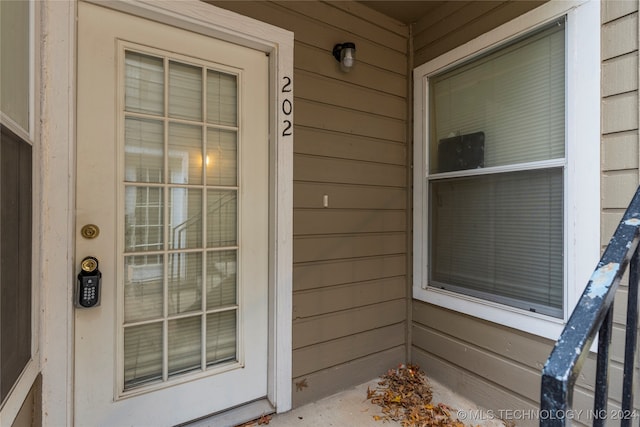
<point x="496" y="174"/>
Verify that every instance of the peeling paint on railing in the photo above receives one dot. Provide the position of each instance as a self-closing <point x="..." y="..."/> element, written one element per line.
<point x="633" y="221"/>
<point x="601" y="279"/>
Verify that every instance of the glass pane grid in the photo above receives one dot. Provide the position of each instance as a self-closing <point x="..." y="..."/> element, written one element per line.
<point x="180" y="308"/>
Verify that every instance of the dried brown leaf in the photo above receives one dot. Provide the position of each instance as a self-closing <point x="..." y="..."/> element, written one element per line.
<point x="404" y="395"/>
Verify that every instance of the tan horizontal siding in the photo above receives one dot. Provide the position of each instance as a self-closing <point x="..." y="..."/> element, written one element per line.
<point x="320" y="248"/>
<point x="350" y="145"/>
<point x="620" y="36"/>
<point x="620" y="151"/>
<point x="325" y="327"/>
<point x="319" y="31"/>
<point x="339" y="119"/>
<point x="328" y="354"/>
<point x="326" y="143"/>
<point x="612" y="10"/>
<point x="343" y="297"/>
<point x="316" y="87"/>
<point x="320" y="274"/>
<point x="328" y="170"/>
<point x="347" y="196"/>
<point x="618" y="187"/>
<point x="376" y="32"/>
<point x="609" y="220"/>
<point x="446" y="27"/>
<point x="497" y="356"/>
<point x="620" y="74"/>
<point x="468" y="384"/>
<point x="310" y="387"/>
<point x="455" y="23"/>
<point x="358" y="9"/>
<point x="619" y="179"/>
<point x="620" y="112"/>
<point x="490" y="366"/>
<point x="442" y="13"/>
<point x="529" y="350"/>
<point x="339" y="221"/>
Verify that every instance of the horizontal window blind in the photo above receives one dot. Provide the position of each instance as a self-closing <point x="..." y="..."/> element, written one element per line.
<point x="499" y="236"/>
<point x="515" y="96"/>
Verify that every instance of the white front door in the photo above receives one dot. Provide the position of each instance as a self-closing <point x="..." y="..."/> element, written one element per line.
<point x="173" y="169"/>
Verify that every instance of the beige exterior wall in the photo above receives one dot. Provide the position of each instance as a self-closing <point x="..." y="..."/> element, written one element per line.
<point x="498" y="367"/>
<point x="456" y="22"/>
<point x="619" y="143"/>
<point x="350" y="259"/>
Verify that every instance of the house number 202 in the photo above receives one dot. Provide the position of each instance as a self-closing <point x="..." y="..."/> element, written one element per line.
<point x="287" y="107"/>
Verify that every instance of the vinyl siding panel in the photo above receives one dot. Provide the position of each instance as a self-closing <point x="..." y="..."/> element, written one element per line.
<point x="320" y="274"/>
<point x="350" y="145"/>
<point x="454" y="23"/>
<point x="619" y="148"/>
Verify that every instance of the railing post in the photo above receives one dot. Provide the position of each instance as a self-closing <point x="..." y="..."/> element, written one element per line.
<point x="555" y="399"/>
<point x="631" y="337"/>
<point x="593" y="314"/>
<point x="602" y="371"/>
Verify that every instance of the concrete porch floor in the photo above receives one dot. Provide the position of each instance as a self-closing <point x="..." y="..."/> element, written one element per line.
<point x="351" y="408"/>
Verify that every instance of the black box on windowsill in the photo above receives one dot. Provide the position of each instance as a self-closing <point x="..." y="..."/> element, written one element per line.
<point x="461" y="152"/>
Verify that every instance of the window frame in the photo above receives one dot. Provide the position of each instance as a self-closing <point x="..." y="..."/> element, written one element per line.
<point x="581" y="163"/>
<point x="10" y="408"/>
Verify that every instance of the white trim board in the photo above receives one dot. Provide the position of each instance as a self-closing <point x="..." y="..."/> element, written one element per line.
<point x="582" y="208"/>
<point x="58" y="91"/>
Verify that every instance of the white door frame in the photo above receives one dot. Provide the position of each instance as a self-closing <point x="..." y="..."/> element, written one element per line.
<point x="58" y="125"/>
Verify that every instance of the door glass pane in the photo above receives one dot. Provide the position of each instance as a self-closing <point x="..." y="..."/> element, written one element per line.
<point x="144" y="150"/>
<point x="222" y="157"/>
<point x="180" y="187"/>
<point x="142" y="354"/>
<point x="221" y="278"/>
<point x="185" y="282"/>
<point x="221" y="337"/>
<point x="222" y="102"/>
<point x="185" y="338"/>
<point x="144" y="84"/>
<point x="143" y="285"/>
<point x="185" y="218"/>
<point x="185" y="91"/>
<point x="144" y="213"/>
<point x="221" y="218"/>
<point x="185" y="154"/>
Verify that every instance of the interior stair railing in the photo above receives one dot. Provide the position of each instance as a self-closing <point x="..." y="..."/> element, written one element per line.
<point x="593" y="315"/>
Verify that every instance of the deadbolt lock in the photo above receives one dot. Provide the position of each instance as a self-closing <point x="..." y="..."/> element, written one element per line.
<point x="90" y="231"/>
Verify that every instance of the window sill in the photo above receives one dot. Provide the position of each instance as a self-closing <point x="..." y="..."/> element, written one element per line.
<point x="522" y="320"/>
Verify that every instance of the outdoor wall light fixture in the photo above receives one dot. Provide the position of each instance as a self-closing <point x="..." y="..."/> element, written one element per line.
<point x="345" y="54"/>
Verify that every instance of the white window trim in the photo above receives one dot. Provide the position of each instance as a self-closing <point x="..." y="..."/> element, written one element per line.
<point x="57" y="130"/>
<point x="582" y="168"/>
<point x="21" y="388"/>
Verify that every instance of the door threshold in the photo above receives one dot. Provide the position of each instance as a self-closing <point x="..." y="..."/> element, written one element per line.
<point x="234" y="416"/>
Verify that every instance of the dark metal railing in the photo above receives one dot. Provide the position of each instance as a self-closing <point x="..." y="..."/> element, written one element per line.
<point x="593" y="315"/>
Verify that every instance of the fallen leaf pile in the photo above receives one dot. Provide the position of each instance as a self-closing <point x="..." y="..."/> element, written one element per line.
<point x="263" y="420"/>
<point x="405" y="396"/>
